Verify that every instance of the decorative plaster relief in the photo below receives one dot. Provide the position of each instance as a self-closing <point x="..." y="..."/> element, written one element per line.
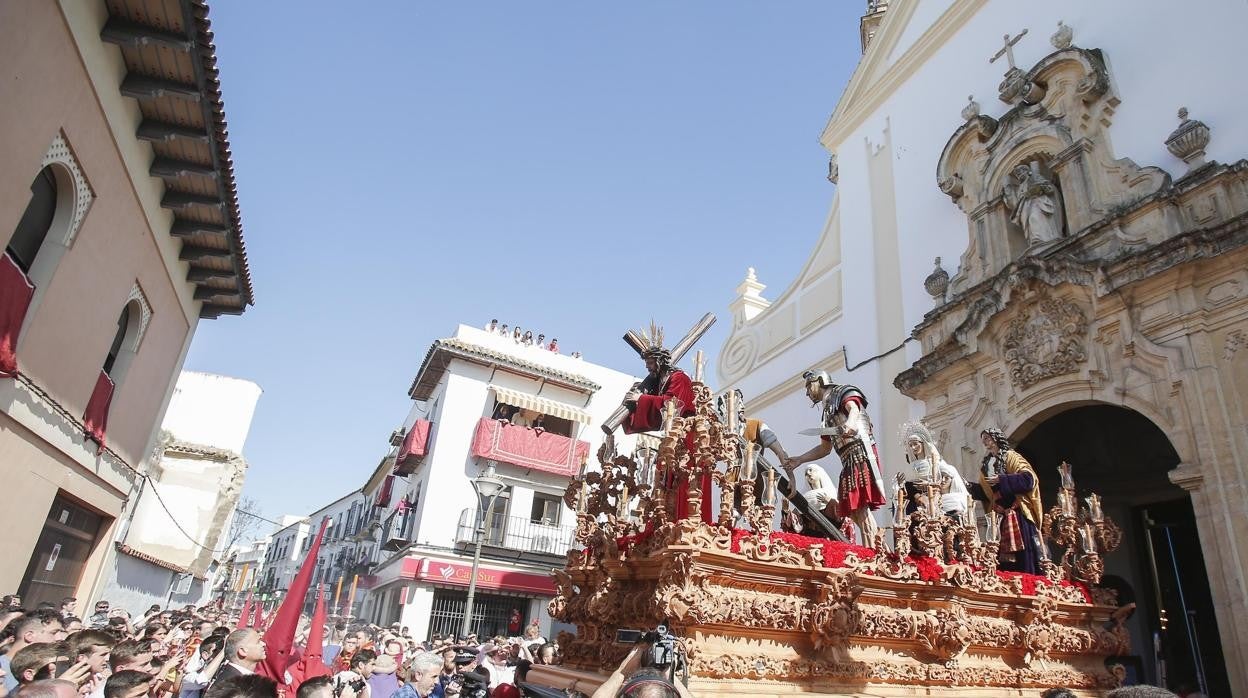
<point x="145" y="314"/>
<point x="1045" y="339"/>
<point x="59" y="153"/>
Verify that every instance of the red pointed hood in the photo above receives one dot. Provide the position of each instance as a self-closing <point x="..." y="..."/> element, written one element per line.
<point x="279" y="639"/>
<point x="244" y="618"/>
<point x="310" y="663"/>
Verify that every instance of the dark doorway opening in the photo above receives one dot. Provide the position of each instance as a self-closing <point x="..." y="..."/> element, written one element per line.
<point x="55" y="567"/>
<point x="1121" y="455"/>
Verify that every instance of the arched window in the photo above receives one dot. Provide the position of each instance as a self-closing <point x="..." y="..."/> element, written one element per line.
<point x="36" y="220"/>
<point x="114" y="349"/>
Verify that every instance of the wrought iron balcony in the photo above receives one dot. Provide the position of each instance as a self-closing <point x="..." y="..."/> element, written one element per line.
<point x="517" y="533"/>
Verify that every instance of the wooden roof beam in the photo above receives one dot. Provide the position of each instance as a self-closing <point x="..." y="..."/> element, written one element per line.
<point x="211" y="311"/>
<point x="173" y="168"/>
<point x="192" y="252"/>
<point x="160" y="131"/>
<point x="126" y="33"/>
<point x="203" y="274"/>
<point x="183" y="228"/>
<point x="178" y="200"/>
<point x="144" y="87"/>
<point x="203" y="293"/>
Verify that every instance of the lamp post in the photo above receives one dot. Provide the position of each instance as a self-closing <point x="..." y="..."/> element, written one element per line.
<point x="487" y="486"/>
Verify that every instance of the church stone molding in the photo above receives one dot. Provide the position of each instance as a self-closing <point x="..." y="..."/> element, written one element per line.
<point x="1043" y="172"/>
<point x="1141" y="302"/>
<point x="1045" y="339"/>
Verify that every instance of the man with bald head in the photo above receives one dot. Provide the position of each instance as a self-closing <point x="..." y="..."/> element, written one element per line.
<point x="244" y="649"/>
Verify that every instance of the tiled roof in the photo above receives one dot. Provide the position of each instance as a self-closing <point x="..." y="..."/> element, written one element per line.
<point x="444" y="349"/>
<point x="171" y="71"/>
<point x="132" y="552"/>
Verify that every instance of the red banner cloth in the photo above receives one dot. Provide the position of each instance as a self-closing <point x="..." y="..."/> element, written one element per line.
<point x="15" y="294"/>
<point x="279" y="639"/>
<point x="528" y="447"/>
<point x="95" y="419"/>
<point x="244" y="618"/>
<point x="384" y="492"/>
<point x="416" y="443"/>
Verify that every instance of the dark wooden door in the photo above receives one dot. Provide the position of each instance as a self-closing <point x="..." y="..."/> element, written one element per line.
<point x="55" y="569"/>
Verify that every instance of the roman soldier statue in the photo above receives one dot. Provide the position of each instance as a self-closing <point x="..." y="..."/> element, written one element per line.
<point x="846" y="427"/>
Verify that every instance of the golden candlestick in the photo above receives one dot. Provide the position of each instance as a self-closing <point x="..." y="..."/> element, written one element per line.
<point x="747" y="464"/>
<point x="582" y="503"/>
<point x="621" y="510"/>
<point x="769" y="493"/>
<point x="698" y="363"/>
<point x="670" y="411"/>
<point x="993" y="534"/>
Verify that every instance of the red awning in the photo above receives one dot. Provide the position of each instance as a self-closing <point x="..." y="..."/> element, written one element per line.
<point x="385" y="492"/>
<point x="528" y="447"/>
<point x="414" y="447"/>
<point x="15" y="294"/>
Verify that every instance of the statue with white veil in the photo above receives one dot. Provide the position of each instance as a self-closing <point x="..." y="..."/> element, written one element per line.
<point x="1034" y="204"/>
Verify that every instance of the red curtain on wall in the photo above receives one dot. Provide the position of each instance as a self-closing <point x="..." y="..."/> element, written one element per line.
<point x="15" y="294"/>
<point x="95" y="419"/>
<point x="528" y="448"/>
<point x="384" y="492"/>
<point x="416" y="443"/>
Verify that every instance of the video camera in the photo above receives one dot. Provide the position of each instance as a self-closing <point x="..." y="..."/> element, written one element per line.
<point x="665" y="649"/>
<point x="473" y="685"/>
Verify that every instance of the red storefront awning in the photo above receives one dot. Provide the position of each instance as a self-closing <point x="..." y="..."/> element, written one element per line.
<point x="438" y="572"/>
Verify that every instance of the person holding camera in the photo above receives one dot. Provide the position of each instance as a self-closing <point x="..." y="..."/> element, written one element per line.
<point x="356" y="676"/>
<point x="632" y="680"/>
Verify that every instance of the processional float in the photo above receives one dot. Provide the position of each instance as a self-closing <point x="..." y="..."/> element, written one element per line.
<point x="762" y="613"/>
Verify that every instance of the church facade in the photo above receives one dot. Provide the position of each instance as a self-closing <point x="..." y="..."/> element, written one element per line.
<point x="1087" y="211"/>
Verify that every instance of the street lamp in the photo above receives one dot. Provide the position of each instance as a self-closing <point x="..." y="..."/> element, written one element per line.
<point x="487" y="486"/>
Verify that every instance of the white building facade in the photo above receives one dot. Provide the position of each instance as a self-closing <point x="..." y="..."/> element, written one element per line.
<point x="170" y="550"/>
<point x="1015" y="331"/>
<point x="482" y="398"/>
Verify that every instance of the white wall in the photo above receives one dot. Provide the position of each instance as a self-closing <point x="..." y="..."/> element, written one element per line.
<point x="212" y="410"/>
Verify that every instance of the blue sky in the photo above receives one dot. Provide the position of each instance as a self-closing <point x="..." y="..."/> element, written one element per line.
<point x="572" y="167"/>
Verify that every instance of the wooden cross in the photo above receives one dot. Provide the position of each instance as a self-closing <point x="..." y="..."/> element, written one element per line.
<point x="1008" y="49"/>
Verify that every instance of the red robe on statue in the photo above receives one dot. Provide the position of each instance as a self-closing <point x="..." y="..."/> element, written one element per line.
<point x="648" y="416"/>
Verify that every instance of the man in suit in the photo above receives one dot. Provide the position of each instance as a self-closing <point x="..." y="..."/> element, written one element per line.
<point x="244" y="649"/>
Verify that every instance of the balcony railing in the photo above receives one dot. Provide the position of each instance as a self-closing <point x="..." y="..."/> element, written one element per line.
<point x="528" y="447"/>
<point x="517" y="533"/>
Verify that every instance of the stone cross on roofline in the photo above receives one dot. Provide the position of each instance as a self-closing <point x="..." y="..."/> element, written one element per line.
<point x="1008" y="49"/>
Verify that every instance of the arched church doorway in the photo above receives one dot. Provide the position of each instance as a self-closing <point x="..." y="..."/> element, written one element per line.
<point x="1125" y="457"/>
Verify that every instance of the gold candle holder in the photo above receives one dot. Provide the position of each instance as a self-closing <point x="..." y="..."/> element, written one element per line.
<point x="747" y="464"/>
<point x="621" y="510"/>
<point x="582" y="502"/>
<point x="730" y="409"/>
<point x="698" y="363"/>
<point x="993" y="534"/>
<point x="769" y="493"/>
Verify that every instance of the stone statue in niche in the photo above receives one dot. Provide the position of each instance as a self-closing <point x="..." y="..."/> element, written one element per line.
<point x="1034" y="204"/>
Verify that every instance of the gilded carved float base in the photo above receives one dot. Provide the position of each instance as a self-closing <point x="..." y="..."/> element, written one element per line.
<point x="765" y="616"/>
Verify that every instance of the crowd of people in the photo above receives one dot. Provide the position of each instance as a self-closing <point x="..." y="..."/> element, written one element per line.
<point x="525" y="337"/>
<point x="52" y="652"/>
